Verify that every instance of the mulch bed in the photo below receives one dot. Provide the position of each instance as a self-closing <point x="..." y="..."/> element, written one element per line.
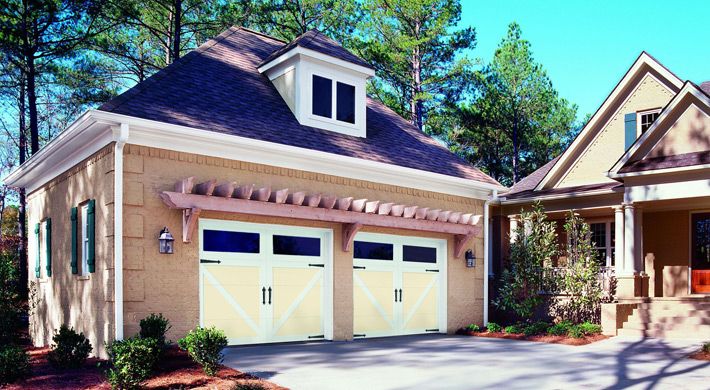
<point x="175" y="370"/>
<point x="700" y="355"/>
<point x="542" y="338"/>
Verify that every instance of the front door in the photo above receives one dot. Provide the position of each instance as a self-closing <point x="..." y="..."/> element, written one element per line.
<point x="264" y="283"/>
<point x="700" y="253"/>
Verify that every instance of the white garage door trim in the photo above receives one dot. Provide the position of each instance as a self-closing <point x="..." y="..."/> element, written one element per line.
<point x="397" y="263"/>
<point x="266" y="232"/>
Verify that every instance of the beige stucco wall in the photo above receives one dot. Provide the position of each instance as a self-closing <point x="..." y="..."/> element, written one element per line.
<point x="608" y="146"/>
<point x="81" y="302"/>
<point x="689" y="133"/>
<point x="666" y="243"/>
<point x="169" y="283"/>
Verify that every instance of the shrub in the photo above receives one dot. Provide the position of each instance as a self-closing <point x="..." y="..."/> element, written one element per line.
<point x="493" y="327"/>
<point x="155" y="326"/>
<point x="14" y="364"/>
<point x="523" y="278"/>
<point x="706" y="347"/>
<point x="11" y="307"/>
<point x="513" y="329"/>
<point x="473" y="328"/>
<point x="70" y="349"/>
<point x="559" y="329"/>
<point x="584" y="329"/>
<point x="535" y="328"/>
<point x="131" y="361"/>
<point x="205" y="347"/>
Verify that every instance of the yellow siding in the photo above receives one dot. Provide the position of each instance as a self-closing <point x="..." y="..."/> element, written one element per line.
<point x="608" y="146"/>
<point x="690" y="133"/>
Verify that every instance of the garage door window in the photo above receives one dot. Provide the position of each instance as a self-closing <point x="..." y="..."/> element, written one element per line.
<point x="234" y="242"/>
<point x="296" y="246"/>
<point x="373" y="250"/>
<point x="418" y="254"/>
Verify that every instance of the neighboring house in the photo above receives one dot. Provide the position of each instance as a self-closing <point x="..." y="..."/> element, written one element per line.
<point x="301" y="209"/>
<point x="639" y="173"/>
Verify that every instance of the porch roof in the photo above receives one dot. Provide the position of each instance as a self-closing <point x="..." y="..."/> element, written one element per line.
<point x="353" y="213"/>
<point x="667" y="162"/>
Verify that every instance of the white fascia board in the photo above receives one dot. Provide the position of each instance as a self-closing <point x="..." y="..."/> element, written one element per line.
<point x="505" y="202"/>
<point x="667" y="191"/>
<point x="84" y="137"/>
<point x="643" y="59"/>
<point x="689" y="88"/>
<point x="80" y="141"/>
<point x="300" y="51"/>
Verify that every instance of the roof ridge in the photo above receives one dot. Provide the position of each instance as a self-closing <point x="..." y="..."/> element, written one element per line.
<point x="265" y="35"/>
<point x="155" y="77"/>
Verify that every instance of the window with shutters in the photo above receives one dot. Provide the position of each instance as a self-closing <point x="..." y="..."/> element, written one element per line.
<point x="43" y="267"/>
<point x="646" y="119"/>
<point x="84" y="240"/>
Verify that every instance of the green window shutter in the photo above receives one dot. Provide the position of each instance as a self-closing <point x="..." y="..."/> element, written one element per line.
<point x="48" y="241"/>
<point x="91" y="219"/>
<point x="39" y="252"/>
<point x="629" y="130"/>
<point x="74" y="238"/>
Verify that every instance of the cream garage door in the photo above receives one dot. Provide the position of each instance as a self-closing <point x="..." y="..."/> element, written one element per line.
<point x="399" y="285"/>
<point x="265" y="283"/>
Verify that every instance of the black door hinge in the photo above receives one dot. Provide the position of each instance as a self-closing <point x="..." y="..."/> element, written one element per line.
<point x="432" y="330"/>
<point x="320" y="336"/>
<point x="432" y="270"/>
<point x="203" y="261"/>
<point x="317" y="265"/>
<point x="359" y="335"/>
<point x="358" y="267"/>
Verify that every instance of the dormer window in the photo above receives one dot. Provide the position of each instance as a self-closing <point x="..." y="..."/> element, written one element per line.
<point x="322" y="83"/>
<point x="323" y="103"/>
<point x="647" y="118"/>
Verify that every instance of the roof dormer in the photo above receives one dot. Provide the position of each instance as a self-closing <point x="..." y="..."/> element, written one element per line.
<point x="321" y="82"/>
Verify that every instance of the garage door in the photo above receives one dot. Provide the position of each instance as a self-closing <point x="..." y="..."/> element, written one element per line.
<point x="264" y="283"/>
<point x="398" y="285"/>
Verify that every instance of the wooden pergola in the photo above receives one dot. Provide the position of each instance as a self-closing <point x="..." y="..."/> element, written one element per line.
<point x="230" y="197"/>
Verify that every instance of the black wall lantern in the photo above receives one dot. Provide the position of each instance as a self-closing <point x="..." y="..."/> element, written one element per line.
<point x="470" y="259"/>
<point x="166" y="241"/>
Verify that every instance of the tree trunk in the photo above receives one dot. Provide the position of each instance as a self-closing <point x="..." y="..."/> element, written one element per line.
<point x="416" y="104"/>
<point x="32" y="102"/>
<point x="177" y="28"/>
<point x="516" y="148"/>
<point x="22" y="216"/>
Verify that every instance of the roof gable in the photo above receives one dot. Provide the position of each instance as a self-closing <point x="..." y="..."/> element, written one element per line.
<point x="219" y="89"/>
<point x="644" y="68"/>
<point x="680" y="137"/>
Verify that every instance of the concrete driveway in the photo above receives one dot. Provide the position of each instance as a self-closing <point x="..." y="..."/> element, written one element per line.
<point x="457" y="362"/>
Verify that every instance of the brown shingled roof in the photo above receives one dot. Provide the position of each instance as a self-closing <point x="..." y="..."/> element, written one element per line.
<point x="317" y="41"/>
<point x="705" y="86"/>
<point x="218" y="88"/>
<point x="529" y="182"/>
<point x="665" y="162"/>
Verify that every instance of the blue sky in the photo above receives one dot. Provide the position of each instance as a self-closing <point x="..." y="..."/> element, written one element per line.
<point x="587" y="46"/>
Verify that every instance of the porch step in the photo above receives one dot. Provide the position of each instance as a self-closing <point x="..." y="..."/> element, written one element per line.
<point x="661" y="333"/>
<point x="681" y="318"/>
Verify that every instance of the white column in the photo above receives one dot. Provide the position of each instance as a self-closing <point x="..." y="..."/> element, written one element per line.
<point x="619" y="239"/>
<point x="639" y="261"/>
<point x="514" y="219"/>
<point x="629" y="239"/>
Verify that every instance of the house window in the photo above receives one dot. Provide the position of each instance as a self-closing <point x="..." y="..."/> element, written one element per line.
<point x="603" y="241"/>
<point x="700" y="241"/>
<point x="324" y="105"/>
<point x="647" y="118"/>
<point x="85" y="239"/>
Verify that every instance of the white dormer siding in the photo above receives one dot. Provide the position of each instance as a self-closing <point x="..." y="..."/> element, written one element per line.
<point x="332" y="105"/>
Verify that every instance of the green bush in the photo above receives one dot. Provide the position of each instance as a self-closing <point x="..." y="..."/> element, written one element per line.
<point x="706" y="347"/>
<point x="584" y="329"/>
<point x="473" y="328"/>
<point x="14" y="364"/>
<point x="131" y="361"/>
<point x="493" y="327"/>
<point x="11" y="307"/>
<point x="205" y="347"/>
<point x="513" y="329"/>
<point x="155" y="326"/>
<point x="248" y="386"/>
<point x="539" y="327"/>
<point x="70" y="349"/>
<point x="559" y="329"/>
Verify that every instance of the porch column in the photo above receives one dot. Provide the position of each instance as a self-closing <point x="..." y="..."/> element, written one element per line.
<point x="632" y="281"/>
<point x="629" y="267"/>
<point x="619" y="239"/>
<point x="639" y="263"/>
<point x="514" y="219"/>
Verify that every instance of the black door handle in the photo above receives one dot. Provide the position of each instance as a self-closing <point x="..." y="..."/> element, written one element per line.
<point x="269" y="295"/>
<point x="263" y="295"/>
<point x="400" y="295"/>
<point x="395" y="295"/>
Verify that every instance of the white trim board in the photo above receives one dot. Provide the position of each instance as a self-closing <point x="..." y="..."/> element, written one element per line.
<point x="92" y="131"/>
